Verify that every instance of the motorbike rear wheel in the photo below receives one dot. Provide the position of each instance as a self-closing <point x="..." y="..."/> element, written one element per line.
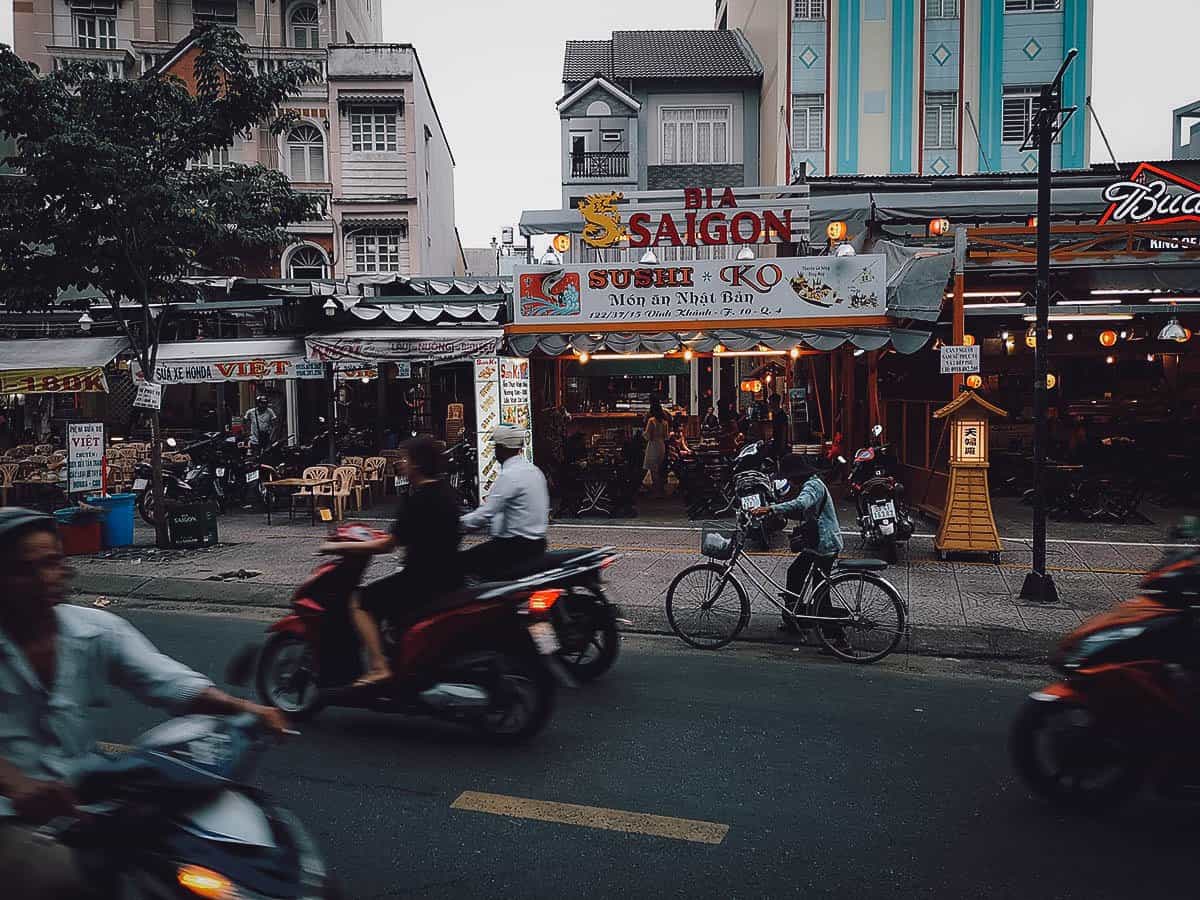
<point x="591" y="645"/>
<point x="145" y="506"/>
<point x="1063" y="756"/>
<point x="522" y="693"/>
<point x="285" y="678"/>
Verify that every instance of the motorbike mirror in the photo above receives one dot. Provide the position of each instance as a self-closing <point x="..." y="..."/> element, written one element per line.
<point x="841" y="459"/>
<point x="171" y="442"/>
<point x="877" y="430"/>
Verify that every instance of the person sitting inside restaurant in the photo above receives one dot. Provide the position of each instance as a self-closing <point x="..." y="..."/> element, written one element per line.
<point x="427" y="527"/>
<point x="516" y="512"/>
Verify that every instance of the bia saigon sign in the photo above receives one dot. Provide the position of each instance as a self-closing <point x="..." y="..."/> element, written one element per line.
<point x="709" y="217"/>
<point x="1152" y="196"/>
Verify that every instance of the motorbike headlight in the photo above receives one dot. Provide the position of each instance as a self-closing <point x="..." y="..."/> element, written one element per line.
<point x="1077" y="655"/>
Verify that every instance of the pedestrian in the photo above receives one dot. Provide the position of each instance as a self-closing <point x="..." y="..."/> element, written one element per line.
<point x="261" y="422"/>
<point x="657" y="427"/>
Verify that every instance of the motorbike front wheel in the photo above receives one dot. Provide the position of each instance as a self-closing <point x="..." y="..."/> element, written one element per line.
<point x="522" y="692"/>
<point x="592" y="641"/>
<point x="145" y="506"/>
<point x="1064" y="757"/>
<point x="286" y="678"/>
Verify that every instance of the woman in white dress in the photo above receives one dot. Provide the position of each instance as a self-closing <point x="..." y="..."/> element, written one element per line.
<point x="657" y="427"/>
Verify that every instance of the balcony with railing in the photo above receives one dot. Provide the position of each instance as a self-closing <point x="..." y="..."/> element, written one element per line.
<point x="116" y="62"/>
<point x="608" y="164"/>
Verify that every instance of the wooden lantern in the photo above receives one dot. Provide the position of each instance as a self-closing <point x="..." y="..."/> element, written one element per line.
<point x="968" y="524"/>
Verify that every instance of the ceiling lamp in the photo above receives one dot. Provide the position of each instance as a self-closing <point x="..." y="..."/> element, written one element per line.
<point x="1173" y="331"/>
<point x="85" y="321"/>
<point x="844" y="250"/>
<point x="745" y="253"/>
<point x="1108" y="338"/>
<point x="584" y="356"/>
<point x="330" y="307"/>
<point x="648" y="258"/>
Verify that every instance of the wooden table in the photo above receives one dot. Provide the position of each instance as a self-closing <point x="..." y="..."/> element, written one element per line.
<point x="297" y="483"/>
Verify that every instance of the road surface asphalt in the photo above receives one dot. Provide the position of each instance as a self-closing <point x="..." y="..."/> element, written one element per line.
<point x="800" y="777"/>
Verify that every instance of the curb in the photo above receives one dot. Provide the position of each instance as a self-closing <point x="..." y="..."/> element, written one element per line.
<point x="963" y="643"/>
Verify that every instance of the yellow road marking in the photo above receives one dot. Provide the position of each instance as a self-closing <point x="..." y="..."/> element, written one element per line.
<point x="106" y="747"/>
<point x="592" y="817"/>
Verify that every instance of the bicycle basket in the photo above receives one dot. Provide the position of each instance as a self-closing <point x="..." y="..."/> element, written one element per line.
<point x="716" y="544"/>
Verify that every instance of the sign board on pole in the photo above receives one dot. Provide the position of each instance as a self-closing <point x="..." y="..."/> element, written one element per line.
<point x="85" y="457"/>
<point x="403" y="369"/>
<point x="149" y="395"/>
<point x="502" y="394"/>
<point x="960" y="360"/>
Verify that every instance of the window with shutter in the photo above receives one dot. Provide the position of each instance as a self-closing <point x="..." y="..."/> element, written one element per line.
<point x="223" y="12"/>
<point x="941" y="9"/>
<point x="1019" y="106"/>
<point x="1018" y="6"/>
<point x="695" y="135"/>
<point x="214" y="159"/>
<point x="373" y="129"/>
<point x="808" y="122"/>
<point x="306" y="154"/>
<point x="941" y="120"/>
<point x="377" y="251"/>
<point x="306" y="263"/>
<point x="305" y="26"/>
<point x="96" y="32"/>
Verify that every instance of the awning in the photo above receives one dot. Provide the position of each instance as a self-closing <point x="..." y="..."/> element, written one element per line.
<point x="257" y="359"/>
<point x="904" y="340"/>
<point x="57" y="366"/>
<point x="388" y="345"/>
<point x="427" y="313"/>
<point x="403" y="286"/>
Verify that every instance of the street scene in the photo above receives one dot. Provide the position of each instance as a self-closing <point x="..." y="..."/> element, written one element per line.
<point x="721" y="450"/>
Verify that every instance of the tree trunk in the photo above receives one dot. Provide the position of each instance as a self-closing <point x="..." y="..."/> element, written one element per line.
<point x="160" y="507"/>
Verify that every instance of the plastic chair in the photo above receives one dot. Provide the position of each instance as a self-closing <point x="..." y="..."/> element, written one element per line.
<point x="344" y="478"/>
<point x="352" y="461"/>
<point x="373" y="467"/>
<point x="313" y="473"/>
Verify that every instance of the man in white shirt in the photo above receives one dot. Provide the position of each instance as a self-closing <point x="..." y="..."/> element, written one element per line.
<point x="516" y="511"/>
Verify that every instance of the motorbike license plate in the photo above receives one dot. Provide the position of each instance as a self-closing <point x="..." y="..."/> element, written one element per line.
<point x="751" y="501"/>
<point x="545" y="638"/>
<point x="880" y="511"/>
<point x="220" y="473"/>
<point x="252" y="476"/>
<point x="139" y="484"/>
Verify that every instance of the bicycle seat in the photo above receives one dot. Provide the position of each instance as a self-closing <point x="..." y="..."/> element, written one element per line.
<point x="861" y="565"/>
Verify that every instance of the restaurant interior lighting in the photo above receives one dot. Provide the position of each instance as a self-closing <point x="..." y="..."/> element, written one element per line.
<point x="85" y="321"/>
<point x="1124" y="335"/>
<point x="746" y="253"/>
<point x="1004" y="335"/>
<point x="999" y="304"/>
<point x="721" y="351"/>
<point x="1070" y="335"/>
<point x="1110" y="359"/>
<point x="648" y="258"/>
<point x="1149" y="357"/>
<point x="794" y="353"/>
<point x="688" y="354"/>
<point x="859" y="352"/>
<point x="330" y="307"/>
<point x="625" y="356"/>
<point x="969" y="294"/>
<point x="584" y="356"/>
<point x="1088" y="302"/>
<point x="1085" y="317"/>
<point x="720" y="348"/>
<point x="1175" y="299"/>
<point x="1173" y="331"/>
<point x="1121" y="292"/>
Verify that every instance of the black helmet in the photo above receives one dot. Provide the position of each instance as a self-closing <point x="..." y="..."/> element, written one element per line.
<point x="15" y="520"/>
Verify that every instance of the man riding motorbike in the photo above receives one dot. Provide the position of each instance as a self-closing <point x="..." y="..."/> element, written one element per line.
<point x="427" y="527"/>
<point x="517" y="511"/>
<point x="54" y="660"/>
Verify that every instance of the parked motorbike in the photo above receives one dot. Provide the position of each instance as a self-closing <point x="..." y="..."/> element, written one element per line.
<point x="483" y="656"/>
<point x="755" y="484"/>
<point x="198" y="482"/>
<point x="173" y="818"/>
<point x="1126" y="708"/>
<point x="460" y="462"/>
<point x="883" y="520"/>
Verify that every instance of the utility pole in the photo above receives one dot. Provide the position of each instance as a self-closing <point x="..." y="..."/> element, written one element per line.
<point x="1039" y="586"/>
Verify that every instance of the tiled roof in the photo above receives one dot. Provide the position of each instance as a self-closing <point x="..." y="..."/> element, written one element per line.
<point x="641" y="55"/>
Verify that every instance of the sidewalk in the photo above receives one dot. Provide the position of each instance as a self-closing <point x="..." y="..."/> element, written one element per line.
<point x="957" y="608"/>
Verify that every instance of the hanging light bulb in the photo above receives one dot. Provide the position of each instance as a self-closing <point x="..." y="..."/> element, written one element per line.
<point x="688" y="354"/>
<point x="584" y="356"/>
<point x="330" y="307"/>
<point x="1004" y="335"/>
<point x="1173" y="331"/>
<point x="1110" y="359"/>
<point x="1124" y="335"/>
<point x="1070" y="335"/>
<point x="1149" y="357"/>
<point x="794" y="353"/>
<point x="720" y="348"/>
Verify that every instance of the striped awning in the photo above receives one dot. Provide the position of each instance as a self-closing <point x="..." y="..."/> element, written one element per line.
<point x="903" y="340"/>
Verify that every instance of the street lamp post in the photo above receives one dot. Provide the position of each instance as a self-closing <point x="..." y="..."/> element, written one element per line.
<point x="1039" y="586"/>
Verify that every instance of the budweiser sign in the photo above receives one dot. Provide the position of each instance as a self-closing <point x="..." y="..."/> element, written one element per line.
<point x="1152" y="196"/>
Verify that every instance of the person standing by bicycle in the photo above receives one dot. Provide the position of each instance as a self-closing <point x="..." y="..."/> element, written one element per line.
<point x="819" y="537"/>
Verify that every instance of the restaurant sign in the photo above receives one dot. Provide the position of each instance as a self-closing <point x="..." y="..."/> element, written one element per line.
<point x="1152" y="196"/>
<point x="53" y="381"/>
<point x="206" y="371"/>
<point x="710" y="217"/>
<point x="808" y="287"/>
<point x="384" y="348"/>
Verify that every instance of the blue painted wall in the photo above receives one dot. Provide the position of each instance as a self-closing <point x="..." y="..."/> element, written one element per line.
<point x="942" y="54"/>
<point x="1075" y="34"/>
<point x="991" y="82"/>
<point x="1033" y="47"/>
<point x="809" y="62"/>
<point x="903" y="53"/>
<point x="849" y="40"/>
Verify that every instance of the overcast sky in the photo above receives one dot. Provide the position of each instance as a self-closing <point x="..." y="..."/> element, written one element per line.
<point x="494" y="68"/>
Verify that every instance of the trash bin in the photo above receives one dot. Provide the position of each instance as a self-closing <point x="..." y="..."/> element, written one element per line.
<point x="118" y="518"/>
<point x="80" y="530"/>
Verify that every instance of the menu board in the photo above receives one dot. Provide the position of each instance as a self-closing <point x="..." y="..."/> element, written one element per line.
<point x="85" y="457"/>
<point x="502" y="395"/>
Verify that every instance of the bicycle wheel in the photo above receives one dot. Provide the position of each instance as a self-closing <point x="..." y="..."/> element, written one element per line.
<point x="706" y="609"/>
<point x="870" y="612"/>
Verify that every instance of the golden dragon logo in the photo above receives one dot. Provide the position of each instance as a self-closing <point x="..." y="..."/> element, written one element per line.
<point x="603" y="226"/>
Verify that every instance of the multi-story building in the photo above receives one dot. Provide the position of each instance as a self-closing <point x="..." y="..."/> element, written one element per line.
<point x="659" y="110"/>
<point x="937" y="87"/>
<point x="1185" y="132"/>
<point x="368" y="142"/>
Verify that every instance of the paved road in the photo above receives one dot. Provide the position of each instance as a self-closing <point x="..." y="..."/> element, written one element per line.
<point x="832" y="781"/>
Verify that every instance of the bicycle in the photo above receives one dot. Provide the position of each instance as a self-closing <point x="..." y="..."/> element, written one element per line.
<point x="857" y="614"/>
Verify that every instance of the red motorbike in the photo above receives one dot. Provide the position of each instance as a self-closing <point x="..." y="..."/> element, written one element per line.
<point x="1126" y="709"/>
<point x="484" y="656"/>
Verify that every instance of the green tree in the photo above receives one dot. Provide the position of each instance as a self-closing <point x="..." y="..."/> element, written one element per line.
<point x="110" y="196"/>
